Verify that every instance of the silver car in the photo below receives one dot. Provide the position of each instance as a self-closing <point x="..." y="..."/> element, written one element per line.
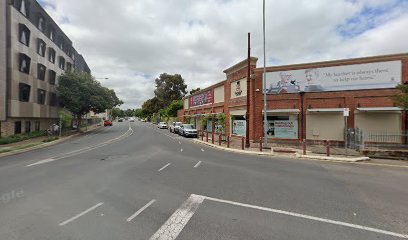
<point x="187" y="130"/>
<point x="162" y="125"/>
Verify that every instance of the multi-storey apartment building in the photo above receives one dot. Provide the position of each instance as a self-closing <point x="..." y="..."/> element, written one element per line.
<point x="34" y="51"/>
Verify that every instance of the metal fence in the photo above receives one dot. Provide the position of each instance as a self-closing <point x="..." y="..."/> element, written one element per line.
<point x="386" y="139"/>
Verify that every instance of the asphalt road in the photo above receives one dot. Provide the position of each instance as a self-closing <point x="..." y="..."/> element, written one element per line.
<point x="134" y="181"/>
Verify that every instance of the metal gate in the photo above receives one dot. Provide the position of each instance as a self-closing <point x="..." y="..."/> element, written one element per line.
<point x="354" y="139"/>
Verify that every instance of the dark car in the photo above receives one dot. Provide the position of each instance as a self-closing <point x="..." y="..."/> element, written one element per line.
<point x="107" y="123"/>
<point x="120" y="120"/>
<point x="187" y="130"/>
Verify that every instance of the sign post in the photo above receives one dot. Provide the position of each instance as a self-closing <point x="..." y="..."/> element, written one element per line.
<point x="346" y="113"/>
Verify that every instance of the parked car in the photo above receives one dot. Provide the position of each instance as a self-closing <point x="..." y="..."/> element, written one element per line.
<point x="162" y="125"/>
<point x="120" y="120"/>
<point x="187" y="130"/>
<point x="143" y="120"/>
<point x="131" y="119"/>
<point x="107" y="123"/>
<point x="173" y="128"/>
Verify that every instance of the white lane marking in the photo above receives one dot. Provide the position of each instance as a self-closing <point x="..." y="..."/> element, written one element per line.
<point x="128" y="133"/>
<point x="197" y="164"/>
<point x="179" y="142"/>
<point x="202" y="150"/>
<point x="168" y="164"/>
<point x="181" y="150"/>
<point x="298" y="215"/>
<point x="141" y="210"/>
<point x="178" y="220"/>
<point x="81" y="214"/>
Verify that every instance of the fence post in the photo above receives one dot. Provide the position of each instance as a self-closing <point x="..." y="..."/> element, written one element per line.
<point x="219" y="139"/>
<point x="202" y="135"/>
<point x="304" y="146"/>
<point x="328" y="148"/>
<point x="260" y="144"/>
<point x="228" y="141"/>
<point x="212" y="136"/>
<point x="206" y="136"/>
<point x="243" y="142"/>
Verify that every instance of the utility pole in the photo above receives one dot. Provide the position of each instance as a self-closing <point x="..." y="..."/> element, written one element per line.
<point x="247" y="145"/>
<point x="264" y="82"/>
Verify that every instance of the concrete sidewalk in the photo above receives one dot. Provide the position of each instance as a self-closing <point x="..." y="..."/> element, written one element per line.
<point x="279" y="151"/>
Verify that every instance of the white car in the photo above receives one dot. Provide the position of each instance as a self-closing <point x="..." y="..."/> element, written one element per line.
<point x="131" y="119"/>
<point x="162" y="125"/>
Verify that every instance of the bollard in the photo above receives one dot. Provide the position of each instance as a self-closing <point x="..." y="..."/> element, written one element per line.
<point x="212" y="137"/>
<point x="206" y="136"/>
<point x="243" y="142"/>
<point x="304" y="146"/>
<point x="228" y="143"/>
<point x="260" y="144"/>
<point x="328" y="148"/>
<point x="219" y="139"/>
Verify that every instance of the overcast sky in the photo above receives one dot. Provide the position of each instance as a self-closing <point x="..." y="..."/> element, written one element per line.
<point x="132" y="41"/>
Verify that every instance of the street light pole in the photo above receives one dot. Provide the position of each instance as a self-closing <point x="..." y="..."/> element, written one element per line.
<point x="247" y="144"/>
<point x="264" y="81"/>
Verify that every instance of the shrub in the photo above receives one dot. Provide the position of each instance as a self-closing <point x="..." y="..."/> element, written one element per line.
<point x="22" y="137"/>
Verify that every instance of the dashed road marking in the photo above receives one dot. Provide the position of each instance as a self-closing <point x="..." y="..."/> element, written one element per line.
<point x="197" y="164"/>
<point x="141" y="210"/>
<point x="81" y="214"/>
<point x="181" y="150"/>
<point x="168" y="164"/>
<point x="202" y="150"/>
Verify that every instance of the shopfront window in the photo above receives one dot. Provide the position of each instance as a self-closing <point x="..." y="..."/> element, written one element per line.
<point x="238" y="126"/>
<point x="283" y="127"/>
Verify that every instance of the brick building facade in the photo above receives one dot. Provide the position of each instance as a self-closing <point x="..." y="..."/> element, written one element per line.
<point x="297" y="108"/>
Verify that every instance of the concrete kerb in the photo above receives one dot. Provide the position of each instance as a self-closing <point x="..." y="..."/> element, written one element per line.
<point x="43" y="145"/>
<point x="295" y="155"/>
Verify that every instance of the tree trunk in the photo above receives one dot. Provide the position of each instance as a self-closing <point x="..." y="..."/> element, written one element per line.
<point x="79" y="123"/>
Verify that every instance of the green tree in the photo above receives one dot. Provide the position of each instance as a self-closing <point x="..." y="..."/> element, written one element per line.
<point x="129" y="113"/>
<point x="80" y="93"/>
<point x="169" y="88"/>
<point x="117" y="112"/>
<point x="151" y="106"/>
<point x="138" y="112"/>
<point x="174" y="106"/>
<point x="402" y="98"/>
<point x="194" y="90"/>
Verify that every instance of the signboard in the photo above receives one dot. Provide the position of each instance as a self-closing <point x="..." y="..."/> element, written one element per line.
<point x="239" y="127"/>
<point x="201" y="99"/>
<point x="239" y="88"/>
<point x="348" y="77"/>
<point x="287" y="129"/>
<point x="346" y="112"/>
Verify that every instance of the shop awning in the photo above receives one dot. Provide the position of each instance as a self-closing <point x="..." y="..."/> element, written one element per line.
<point x="379" y="109"/>
<point x="286" y="110"/>
<point x="326" y="110"/>
<point x="237" y="112"/>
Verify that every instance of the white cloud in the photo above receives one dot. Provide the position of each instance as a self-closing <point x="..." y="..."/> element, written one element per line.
<point x="128" y="40"/>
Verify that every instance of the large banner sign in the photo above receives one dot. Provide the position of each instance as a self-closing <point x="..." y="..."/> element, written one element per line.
<point x="201" y="99"/>
<point x="348" y="77"/>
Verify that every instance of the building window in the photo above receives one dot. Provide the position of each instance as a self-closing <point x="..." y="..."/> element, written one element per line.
<point x="40" y="23"/>
<point x="41" y="47"/>
<point x="27" y="126"/>
<point x="40" y="96"/>
<point x="41" y="71"/>
<point x="25" y="62"/>
<point x="24" y="34"/>
<point x="53" y="99"/>
<point x="17" y="127"/>
<point x="24" y="92"/>
<point x="51" y="34"/>
<point x="24" y="7"/>
<point x="37" y="126"/>
<point x="62" y="63"/>
<point x="51" y="77"/>
<point x="51" y="55"/>
<point x="69" y="66"/>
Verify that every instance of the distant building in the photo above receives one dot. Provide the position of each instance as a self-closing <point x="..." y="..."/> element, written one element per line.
<point x="34" y="51"/>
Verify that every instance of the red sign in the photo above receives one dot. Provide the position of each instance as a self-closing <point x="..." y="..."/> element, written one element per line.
<point x="201" y="99"/>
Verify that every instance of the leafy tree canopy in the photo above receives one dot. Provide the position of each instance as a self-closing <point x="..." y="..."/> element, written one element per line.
<point x="194" y="90"/>
<point x="169" y="88"/>
<point x="402" y="99"/>
<point x="80" y="93"/>
<point x="174" y="107"/>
